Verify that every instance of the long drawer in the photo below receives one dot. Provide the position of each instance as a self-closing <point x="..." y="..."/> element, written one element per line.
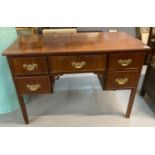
<point x="33" y="84"/>
<point x="29" y="65"/>
<point x="126" y="61"/>
<point x="122" y="79"/>
<point x="77" y="63"/>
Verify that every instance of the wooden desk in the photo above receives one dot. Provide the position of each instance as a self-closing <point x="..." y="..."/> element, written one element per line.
<point x="36" y="61"/>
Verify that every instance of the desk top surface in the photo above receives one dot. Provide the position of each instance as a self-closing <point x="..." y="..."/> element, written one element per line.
<point x="91" y="42"/>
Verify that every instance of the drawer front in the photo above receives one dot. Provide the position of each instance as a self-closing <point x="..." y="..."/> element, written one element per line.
<point x="78" y="63"/>
<point x="126" y="61"/>
<point x="123" y="79"/>
<point x="29" y="66"/>
<point x="33" y="85"/>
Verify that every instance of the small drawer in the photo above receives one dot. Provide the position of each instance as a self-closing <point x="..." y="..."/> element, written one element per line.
<point x="126" y="61"/>
<point x="33" y="85"/>
<point x="122" y="79"/>
<point x="29" y="66"/>
<point x="77" y="63"/>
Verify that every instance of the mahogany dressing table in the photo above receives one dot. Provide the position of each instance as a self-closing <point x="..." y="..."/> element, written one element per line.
<point x="36" y="61"/>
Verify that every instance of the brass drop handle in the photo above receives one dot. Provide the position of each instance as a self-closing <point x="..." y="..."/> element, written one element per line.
<point x="30" y="67"/>
<point x="34" y="87"/>
<point x="78" y="65"/>
<point x="124" y="62"/>
<point x="122" y="81"/>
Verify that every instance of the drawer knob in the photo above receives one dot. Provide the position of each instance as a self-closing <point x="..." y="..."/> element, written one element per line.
<point x="78" y="65"/>
<point x="30" y="67"/>
<point x="122" y="81"/>
<point x="33" y="87"/>
<point x="125" y="63"/>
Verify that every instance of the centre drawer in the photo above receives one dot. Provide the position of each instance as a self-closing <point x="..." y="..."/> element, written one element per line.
<point x="77" y="63"/>
<point x="29" y="65"/>
<point x="126" y="61"/>
<point x="122" y="79"/>
<point x="33" y="85"/>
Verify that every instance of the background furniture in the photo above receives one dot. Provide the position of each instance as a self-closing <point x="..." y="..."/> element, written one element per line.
<point x="36" y="61"/>
<point x="58" y="31"/>
<point x="149" y="79"/>
<point x="131" y="30"/>
<point x="143" y="34"/>
<point x="26" y="30"/>
<point x="46" y="30"/>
